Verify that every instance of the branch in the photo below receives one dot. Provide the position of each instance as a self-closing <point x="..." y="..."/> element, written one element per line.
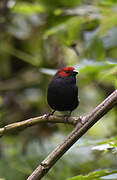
<point x="81" y="128"/>
<point x="18" y="126"/>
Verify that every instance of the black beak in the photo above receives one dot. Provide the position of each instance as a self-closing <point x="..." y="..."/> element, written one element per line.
<point x="75" y="72"/>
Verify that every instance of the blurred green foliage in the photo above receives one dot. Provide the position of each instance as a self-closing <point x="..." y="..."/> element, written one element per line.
<point x="37" y="38"/>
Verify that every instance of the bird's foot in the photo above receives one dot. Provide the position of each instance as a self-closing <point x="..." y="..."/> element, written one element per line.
<point x="49" y="114"/>
<point x="66" y="117"/>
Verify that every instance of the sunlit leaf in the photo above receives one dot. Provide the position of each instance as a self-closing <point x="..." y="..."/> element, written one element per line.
<point x="94" y="175"/>
<point x="107" y="2"/>
<point x="28" y="8"/>
<point x="108" y="21"/>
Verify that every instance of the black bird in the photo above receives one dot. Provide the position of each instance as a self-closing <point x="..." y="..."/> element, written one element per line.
<point x="62" y="92"/>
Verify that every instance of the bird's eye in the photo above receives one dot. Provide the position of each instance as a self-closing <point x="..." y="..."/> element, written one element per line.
<point x="67" y="71"/>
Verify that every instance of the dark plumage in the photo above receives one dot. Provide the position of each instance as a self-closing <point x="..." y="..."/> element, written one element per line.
<point x="62" y="90"/>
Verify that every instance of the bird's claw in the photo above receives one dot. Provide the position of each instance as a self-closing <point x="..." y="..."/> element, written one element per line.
<point x="49" y="114"/>
<point x="66" y="117"/>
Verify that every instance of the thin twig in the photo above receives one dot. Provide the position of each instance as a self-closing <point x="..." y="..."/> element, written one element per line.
<point x="18" y="126"/>
<point x="80" y="129"/>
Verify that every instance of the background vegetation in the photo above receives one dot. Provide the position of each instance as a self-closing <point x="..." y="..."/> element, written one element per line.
<point x="36" y="38"/>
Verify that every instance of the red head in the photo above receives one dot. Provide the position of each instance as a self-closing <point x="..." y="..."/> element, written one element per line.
<point x="67" y="71"/>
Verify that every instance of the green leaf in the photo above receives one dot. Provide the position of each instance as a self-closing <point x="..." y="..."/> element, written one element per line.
<point x="108" y="75"/>
<point x="67" y="30"/>
<point x="111" y="142"/>
<point x="61" y="3"/>
<point x="108" y="21"/>
<point x="96" y="50"/>
<point x="28" y="8"/>
<point x="107" y="2"/>
<point x="113" y="53"/>
<point x="116" y="83"/>
<point x="91" y="24"/>
<point x="93" y="175"/>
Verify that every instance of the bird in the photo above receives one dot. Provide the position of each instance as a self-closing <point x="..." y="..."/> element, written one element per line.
<point x="62" y="93"/>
